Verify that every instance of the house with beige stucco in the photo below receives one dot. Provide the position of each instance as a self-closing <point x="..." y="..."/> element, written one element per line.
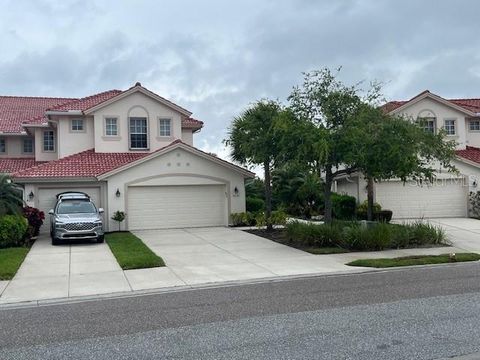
<point x="130" y="150"/>
<point x="448" y="195"/>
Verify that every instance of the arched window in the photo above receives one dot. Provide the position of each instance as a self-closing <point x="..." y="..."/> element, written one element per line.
<point x="428" y="119"/>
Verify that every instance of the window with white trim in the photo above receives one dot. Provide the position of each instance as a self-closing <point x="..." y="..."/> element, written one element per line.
<point x="138" y="133"/>
<point x="48" y="140"/>
<point x="165" y="127"/>
<point x="428" y="124"/>
<point x="28" y="146"/>
<point x="3" y="146"/>
<point x="111" y="126"/>
<point x="77" y="125"/>
<point x="449" y="126"/>
<point x="474" y="125"/>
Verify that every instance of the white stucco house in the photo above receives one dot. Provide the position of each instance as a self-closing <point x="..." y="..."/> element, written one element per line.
<point x="448" y="195"/>
<point x="130" y="150"/>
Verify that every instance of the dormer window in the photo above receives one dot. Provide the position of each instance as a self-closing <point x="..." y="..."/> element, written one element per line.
<point x="449" y="126"/>
<point x="165" y="127"/>
<point x="28" y="146"/>
<point x="77" y="125"/>
<point x="138" y="133"/>
<point x="111" y="126"/>
<point x="3" y="146"/>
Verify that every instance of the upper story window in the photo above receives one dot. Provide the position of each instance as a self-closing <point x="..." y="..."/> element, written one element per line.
<point x="165" y="127"/>
<point x="449" y="126"/>
<point x="48" y="140"/>
<point x="138" y="133"/>
<point x="3" y="146"/>
<point x="111" y="126"/>
<point x="28" y="146"/>
<point x="474" y="125"/>
<point x="429" y="124"/>
<point x="77" y="125"/>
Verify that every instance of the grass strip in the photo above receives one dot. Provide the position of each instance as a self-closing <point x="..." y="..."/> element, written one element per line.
<point x="131" y="252"/>
<point x="416" y="260"/>
<point x="10" y="261"/>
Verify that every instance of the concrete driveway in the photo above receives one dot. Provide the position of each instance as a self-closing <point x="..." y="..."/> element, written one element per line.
<point x="220" y="254"/>
<point x="464" y="233"/>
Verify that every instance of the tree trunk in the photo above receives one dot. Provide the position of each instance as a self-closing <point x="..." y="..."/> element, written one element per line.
<point x="369" y="198"/>
<point x="268" y="196"/>
<point x="327" y="194"/>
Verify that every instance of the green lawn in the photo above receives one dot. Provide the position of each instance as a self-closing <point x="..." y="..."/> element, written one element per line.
<point x="10" y="261"/>
<point x="131" y="252"/>
<point x="415" y="260"/>
<point x="325" y="250"/>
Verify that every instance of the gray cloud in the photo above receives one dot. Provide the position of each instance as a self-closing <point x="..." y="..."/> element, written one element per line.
<point x="215" y="57"/>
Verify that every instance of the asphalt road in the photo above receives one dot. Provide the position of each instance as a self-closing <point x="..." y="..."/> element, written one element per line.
<point x="422" y="313"/>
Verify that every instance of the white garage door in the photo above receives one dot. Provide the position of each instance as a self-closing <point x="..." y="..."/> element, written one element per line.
<point x="47" y="198"/>
<point x="446" y="198"/>
<point x="159" y="207"/>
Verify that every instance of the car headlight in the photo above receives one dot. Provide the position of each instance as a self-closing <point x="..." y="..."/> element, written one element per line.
<point x="59" y="225"/>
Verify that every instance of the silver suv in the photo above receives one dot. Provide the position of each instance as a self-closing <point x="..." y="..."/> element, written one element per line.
<point x="75" y="217"/>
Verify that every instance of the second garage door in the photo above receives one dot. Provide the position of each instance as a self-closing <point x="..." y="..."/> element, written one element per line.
<point x="446" y="198"/>
<point x="161" y="207"/>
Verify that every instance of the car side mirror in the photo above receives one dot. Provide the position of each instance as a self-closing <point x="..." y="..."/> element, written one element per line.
<point x="101" y="211"/>
<point x="51" y="212"/>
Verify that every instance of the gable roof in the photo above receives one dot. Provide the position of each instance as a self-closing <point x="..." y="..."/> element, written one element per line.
<point x="18" y="112"/>
<point x="15" y="110"/>
<point x="469" y="106"/>
<point x="12" y="165"/>
<point x="93" y="165"/>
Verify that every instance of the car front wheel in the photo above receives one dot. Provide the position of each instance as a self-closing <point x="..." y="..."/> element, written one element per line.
<point x="56" y="241"/>
<point x="100" y="239"/>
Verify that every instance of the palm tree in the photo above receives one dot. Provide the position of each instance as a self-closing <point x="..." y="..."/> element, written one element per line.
<point x="10" y="196"/>
<point x="252" y="137"/>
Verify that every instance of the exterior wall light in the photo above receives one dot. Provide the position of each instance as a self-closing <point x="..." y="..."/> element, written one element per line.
<point x="117" y="193"/>
<point x="236" y="192"/>
<point x="31" y="195"/>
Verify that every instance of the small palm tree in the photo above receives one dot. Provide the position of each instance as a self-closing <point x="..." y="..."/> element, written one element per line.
<point x="11" y="200"/>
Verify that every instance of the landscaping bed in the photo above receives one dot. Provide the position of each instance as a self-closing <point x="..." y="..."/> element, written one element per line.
<point x="10" y="261"/>
<point x="131" y="252"/>
<point x="345" y="236"/>
<point x="416" y="260"/>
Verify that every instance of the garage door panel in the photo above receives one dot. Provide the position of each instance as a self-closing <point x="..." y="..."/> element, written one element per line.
<point x="446" y="198"/>
<point x="158" y="207"/>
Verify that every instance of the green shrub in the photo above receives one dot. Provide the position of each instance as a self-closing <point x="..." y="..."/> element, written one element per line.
<point x="279" y="217"/>
<point x="12" y="231"/>
<point x="427" y="234"/>
<point x="383" y="215"/>
<point x="314" y="235"/>
<point x="254" y="204"/>
<point x="367" y="238"/>
<point x="401" y="236"/>
<point x="343" y="206"/>
<point x="243" y="219"/>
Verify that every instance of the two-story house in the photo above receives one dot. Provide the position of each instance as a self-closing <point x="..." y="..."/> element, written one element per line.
<point x="448" y="195"/>
<point x="129" y="150"/>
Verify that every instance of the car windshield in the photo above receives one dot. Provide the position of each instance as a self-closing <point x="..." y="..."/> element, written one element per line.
<point x="76" y="207"/>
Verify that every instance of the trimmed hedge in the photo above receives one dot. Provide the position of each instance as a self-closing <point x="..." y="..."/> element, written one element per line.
<point x="343" y="206"/>
<point x="250" y="219"/>
<point x="254" y="204"/>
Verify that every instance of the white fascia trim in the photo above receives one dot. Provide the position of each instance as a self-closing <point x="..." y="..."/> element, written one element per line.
<point x="58" y="180"/>
<point x="245" y="173"/>
<point x="148" y="93"/>
<point x="468" y="162"/>
<point x="68" y="112"/>
<point x="436" y="98"/>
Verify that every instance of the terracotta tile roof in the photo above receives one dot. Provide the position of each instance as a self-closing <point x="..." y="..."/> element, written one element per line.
<point x="86" y="102"/>
<point x="12" y="165"/>
<point x="14" y="110"/>
<point x="470" y="153"/>
<point x="84" y="164"/>
<point x="468" y="104"/>
<point x="191" y="123"/>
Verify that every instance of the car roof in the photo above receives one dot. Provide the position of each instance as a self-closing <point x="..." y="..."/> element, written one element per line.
<point x="72" y="195"/>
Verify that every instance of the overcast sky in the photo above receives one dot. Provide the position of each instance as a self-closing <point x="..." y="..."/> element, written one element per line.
<point x="216" y="57"/>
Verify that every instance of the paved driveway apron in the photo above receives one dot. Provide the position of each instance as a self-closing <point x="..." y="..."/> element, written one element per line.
<point x="65" y="271"/>
<point x="220" y="254"/>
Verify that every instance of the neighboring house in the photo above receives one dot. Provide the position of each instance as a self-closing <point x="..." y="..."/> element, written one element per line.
<point x="448" y="196"/>
<point x="129" y="150"/>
